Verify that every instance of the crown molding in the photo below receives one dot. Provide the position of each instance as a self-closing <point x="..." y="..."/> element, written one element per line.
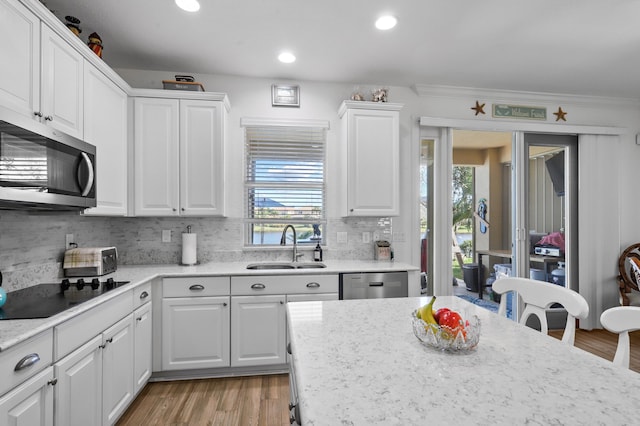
<point x="510" y="96"/>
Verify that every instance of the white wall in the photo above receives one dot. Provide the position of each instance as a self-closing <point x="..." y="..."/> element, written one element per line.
<point x="251" y="97"/>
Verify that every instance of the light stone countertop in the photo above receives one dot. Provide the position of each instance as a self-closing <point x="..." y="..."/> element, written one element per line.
<point x="13" y="332"/>
<point x="357" y="362"/>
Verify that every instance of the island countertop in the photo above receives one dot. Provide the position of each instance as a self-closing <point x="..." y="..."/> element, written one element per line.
<point x="357" y="362"/>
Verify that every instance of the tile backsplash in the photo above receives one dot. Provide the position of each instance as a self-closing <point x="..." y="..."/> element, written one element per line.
<point x="32" y="244"/>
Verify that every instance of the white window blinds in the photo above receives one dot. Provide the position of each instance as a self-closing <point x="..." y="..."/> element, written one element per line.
<point x="284" y="179"/>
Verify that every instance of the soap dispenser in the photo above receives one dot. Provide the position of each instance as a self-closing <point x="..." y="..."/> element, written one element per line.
<point x="317" y="253"/>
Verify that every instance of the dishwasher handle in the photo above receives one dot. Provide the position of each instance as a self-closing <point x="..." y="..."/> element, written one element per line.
<point x="376" y="284"/>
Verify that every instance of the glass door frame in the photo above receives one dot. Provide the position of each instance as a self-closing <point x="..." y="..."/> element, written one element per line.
<point x="443" y="157"/>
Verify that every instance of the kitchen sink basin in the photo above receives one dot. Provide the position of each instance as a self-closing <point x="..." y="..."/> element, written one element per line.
<point x="286" y="265"/>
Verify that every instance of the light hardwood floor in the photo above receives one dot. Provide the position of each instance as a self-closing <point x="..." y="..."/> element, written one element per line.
<point x="264" y="400"/>
<point x="234" y="401"/>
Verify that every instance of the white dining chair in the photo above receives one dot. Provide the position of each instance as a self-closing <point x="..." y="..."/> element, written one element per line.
<point x="540" y="295"/>
<point x="621" y="320"/>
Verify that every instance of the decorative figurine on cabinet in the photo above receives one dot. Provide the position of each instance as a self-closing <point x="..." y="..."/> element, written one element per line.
<point x="73" y="24"/>
<point x="379" y="95"/>
<point x="95" y="44"/>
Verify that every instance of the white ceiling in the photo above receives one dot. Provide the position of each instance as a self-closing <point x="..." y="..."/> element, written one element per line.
<point x="587" y="47"/>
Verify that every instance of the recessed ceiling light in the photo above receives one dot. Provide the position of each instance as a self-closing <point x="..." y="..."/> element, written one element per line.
<point x="386" y="22"/>
<point x="286" y="57"/>
<point x="188" y="5"/>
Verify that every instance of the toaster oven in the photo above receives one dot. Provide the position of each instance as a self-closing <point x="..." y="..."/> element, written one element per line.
<point x="90" y="261"/>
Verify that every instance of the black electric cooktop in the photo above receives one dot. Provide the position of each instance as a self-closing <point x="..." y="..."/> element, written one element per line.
<point x="45" y="300"/>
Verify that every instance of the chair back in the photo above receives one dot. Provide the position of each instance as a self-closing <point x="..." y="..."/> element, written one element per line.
<point x="621" y="320"/>
<point x="539" y="296"/>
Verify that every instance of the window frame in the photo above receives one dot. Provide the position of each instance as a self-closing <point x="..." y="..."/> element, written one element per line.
<point x="250" y="222"/>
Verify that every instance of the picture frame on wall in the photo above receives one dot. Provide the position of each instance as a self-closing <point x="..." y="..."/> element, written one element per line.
<point x="285" y="95"/>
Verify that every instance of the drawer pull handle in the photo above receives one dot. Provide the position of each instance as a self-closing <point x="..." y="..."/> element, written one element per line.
<point x="53" y="382"/>
<point x="258" y="286"/>
<point x="289" y="351"/>
<point x="144" y="295"/>
<point x="313" y="285"/>
<point x="27" y="362"/>
<point x="196" y="287"/>
<point x="224" y="304"/>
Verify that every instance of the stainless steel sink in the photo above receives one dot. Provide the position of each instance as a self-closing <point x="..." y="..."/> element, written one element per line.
<point x="286" y="265"/>
<point x="309" y="265"/>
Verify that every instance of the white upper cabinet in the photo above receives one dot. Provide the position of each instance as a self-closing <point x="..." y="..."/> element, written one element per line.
<point x="156" y="156"/>
<point x="201" y="157"/>
<point x="42" y="74"/>
<point x="179" y="156"/>
<point x="20" y="48"/>
<point x="61" y="96"/>
<point x="105" y="126"/>
<point x="371" y="133"/>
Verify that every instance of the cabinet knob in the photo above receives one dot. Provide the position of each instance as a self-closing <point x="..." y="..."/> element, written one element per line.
<point x="182" y="209"/>
<point x="53" y="382"/>
<point x="224" y="304"/>
<point x="37" y="113"/>
<point x="48" y="118"/>
<point x="282" y="302"/>
<point x="27" y="362"/>
<point x="351" y="210"/>
<point x="258" y="286"/>
<point x="173" y="209"/>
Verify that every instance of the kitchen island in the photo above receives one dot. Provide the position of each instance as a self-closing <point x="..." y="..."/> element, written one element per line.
<point x="357" y="362"/>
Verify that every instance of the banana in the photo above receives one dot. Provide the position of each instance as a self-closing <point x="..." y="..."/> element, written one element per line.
<point x="427" y="312"/>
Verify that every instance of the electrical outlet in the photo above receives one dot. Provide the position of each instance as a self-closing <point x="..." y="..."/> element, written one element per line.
<point x="398" y="236"/>
<point x="166" y="235"/>
<point x="366" y="237"/>
<point x="68" y="240"/>
<point x="342" y="238"/>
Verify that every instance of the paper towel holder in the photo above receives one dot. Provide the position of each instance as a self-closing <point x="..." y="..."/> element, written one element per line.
<point x="188" y="264"/>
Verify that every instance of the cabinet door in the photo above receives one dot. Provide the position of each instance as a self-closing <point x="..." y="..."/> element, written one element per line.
<point x="20" y="53"/>
<point x="142" y="334"/>
<point x="258" y="335"/>
<point x="78" y="393"/>
<point x="117" y="370"/>
<point x="61" y="88"/>
<point x="31" y="403"/>
<point x="195" y="332"/>
<point x="201" y="157"/>
<point x="373" y="174"/>
<point x="156" y="157"/>
<point x="105" y="126"/>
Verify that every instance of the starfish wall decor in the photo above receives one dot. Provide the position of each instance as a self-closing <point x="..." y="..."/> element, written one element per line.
<point x="560" y="115"/>
<point x="479" y="108"/>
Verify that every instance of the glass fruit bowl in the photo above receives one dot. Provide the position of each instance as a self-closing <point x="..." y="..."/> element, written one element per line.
<point x="446" y="339"/>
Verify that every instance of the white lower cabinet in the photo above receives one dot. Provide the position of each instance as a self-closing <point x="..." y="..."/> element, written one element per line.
<point x="258" y="314"/>
<point x="258" y="330"/>
<point x="94" y="382"/>
<point x="117" y="369"/>
<point x="31" y="403"/>
<point x="142" y="336"/>
<point x="195" y="323"/>
<point x="195" y="332"/>
<point x="80" y="380"/>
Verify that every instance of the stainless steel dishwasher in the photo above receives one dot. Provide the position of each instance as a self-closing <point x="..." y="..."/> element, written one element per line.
<point x="373" y="285"/>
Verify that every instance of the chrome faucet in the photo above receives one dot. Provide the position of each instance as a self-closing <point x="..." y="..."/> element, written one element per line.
<point x="283" y="242"/>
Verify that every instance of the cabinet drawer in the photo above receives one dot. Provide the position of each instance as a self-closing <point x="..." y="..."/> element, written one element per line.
<point x="195" y="286"/>
<point x="73" y="333"/>
<point x="283" y="284"/>
<point x="141" y="295"/>
<point x="35" y="355"/>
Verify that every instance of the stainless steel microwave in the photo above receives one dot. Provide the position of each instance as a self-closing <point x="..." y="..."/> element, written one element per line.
<point x="42" y="168"/>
